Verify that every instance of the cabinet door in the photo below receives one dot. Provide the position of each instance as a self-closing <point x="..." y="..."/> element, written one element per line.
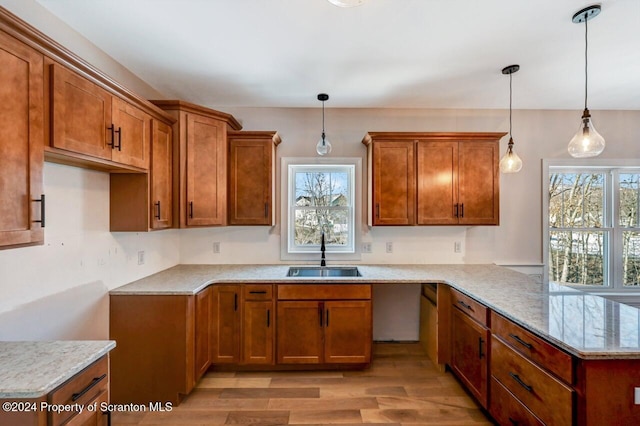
<point x="469" y="348"/>
<point x="479" y="192"/>
<point x="347" y="332"/>
<point x="225" y="341"/>
<point x="206" y="171"/>
<point x="161" y="176"/>
<point x="203" y="333"/>
<point x="250" y="163"/>
<point x="300" y="329"/>
<point x="257" y="332"/>
<point x="21" y="143"/>
<point x="437" y="183"/>
<point x="394" y="183"/>
<point x="81" y="115"/>
<point x="132" y="134"/>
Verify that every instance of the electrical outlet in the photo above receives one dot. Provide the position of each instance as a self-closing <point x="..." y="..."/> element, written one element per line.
<point x="457" y="247"/>
<point x="216" y="247"/>
<point x="389" y="247"/>
<point x="366" y="247"/>
<point x="141" y="257"/>
<point x="636" y="396"/>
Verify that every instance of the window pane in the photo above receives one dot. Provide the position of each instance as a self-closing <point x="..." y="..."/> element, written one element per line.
<point x="576" y="200"/>
<point x="310" y="223"/>
<point x="629" y="326"/>
<point x="576" y="257"/>
<point x="321" y="189"/>
<point x="631" y="258"/>
<point x="629" y="188"/>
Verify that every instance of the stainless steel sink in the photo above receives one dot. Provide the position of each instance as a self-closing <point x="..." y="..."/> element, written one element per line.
<point x="323" y="271"/>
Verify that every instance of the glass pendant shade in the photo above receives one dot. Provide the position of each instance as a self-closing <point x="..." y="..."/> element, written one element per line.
<point x="510" y="162"/>
<point x="587" y="142"/>
<point x="324" y="146"/>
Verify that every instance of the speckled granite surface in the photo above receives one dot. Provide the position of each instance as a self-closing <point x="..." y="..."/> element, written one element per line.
<point x="585" y="325"/>
<point x="33" y="369"/>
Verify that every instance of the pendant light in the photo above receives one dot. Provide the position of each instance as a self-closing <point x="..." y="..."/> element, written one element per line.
<point x="510" y="163"/>
<point x="587" y="142"/>
<point x="324" y="146"/>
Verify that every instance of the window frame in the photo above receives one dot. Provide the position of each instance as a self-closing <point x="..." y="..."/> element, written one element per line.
<point x="312" y="252"/>
<point x="613" y="273"/>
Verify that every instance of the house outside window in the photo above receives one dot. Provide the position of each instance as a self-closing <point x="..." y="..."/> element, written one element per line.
<point x="593" y="228"/>
<point x="321" y="199"/>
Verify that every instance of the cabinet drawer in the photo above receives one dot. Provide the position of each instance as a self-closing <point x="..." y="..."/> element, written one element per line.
<point x="324" y="291"/>
<point x="257" y="291"/>
<point x="469" y="306"/>
<point x="506" y="409"/>
<point x="81" y="389"/>
<point x="548" y="398"/>
<point x="533" y="347"/>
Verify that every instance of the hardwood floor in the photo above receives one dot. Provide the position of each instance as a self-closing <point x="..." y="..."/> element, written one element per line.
<point x="401" y="387"/>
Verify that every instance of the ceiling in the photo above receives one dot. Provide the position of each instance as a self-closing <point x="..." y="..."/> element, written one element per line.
<point x="383" y="54"/>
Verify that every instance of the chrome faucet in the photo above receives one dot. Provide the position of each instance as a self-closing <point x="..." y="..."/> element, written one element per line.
<point x="323" y="261"/>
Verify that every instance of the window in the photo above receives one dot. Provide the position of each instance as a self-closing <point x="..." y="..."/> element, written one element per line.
<point x="593" y="233"/>
<point x="321" y="200"/>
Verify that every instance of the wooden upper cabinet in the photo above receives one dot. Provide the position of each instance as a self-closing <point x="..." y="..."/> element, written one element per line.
<point x="161" y="176"/>
<point x="81" y="115"/>
<point x="437" y="183"/>
<point x="451" y="180"/>
<point x="199" y="162"/>
<point x="394" y="183"/>
<point x="252" y="177"/>
<point x="479" y="181"/>
<point x="206" y="171"/>
<point x="131" y="128"/>
<point x="88" y="120"/>
<point x="21" y="143"/>
<point x="141" y="202"/>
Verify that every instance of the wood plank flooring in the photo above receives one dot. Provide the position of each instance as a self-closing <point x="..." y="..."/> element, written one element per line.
<point x="402" y="387"/>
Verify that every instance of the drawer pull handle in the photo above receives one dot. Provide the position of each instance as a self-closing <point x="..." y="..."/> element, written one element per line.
<point x="465" y="305"/>
<point x="95" y="381"/>
<point x="522" y="342"/>
<point x="520" y="382"/>
<point x="268" y="317"/>
<point x="235" y="302"/>
<point x="258" y="292"/>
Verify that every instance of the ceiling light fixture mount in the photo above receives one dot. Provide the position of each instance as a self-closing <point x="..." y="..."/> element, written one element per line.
<point x="347" y="3"/>
<point x="510" y="162"/>
<point x="324" y="146"/>
<point x="587" y="142"/>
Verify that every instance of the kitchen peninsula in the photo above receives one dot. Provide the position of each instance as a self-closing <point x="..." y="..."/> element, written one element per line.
<point x="508" y="300"/>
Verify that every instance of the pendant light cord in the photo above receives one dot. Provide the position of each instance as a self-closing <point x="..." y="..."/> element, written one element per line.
<point x="323" y="120"/>
<point x="510" y="101"/>
<point x="586" y="47"/>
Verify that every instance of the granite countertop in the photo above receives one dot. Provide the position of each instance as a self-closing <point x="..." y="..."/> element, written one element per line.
<point x="33" y="369"/>
<point x="585" y="325"/>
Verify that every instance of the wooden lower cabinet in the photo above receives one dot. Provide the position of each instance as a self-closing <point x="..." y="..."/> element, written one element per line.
<point x="507" y="410"/>
<point x="324" y="332"/>
<point x="203" y="316"/>
<point x="225" y="331"/>
<point x="469" y="354"/>
<point x="156" y="340"/>
<point x="89" y="386"/>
